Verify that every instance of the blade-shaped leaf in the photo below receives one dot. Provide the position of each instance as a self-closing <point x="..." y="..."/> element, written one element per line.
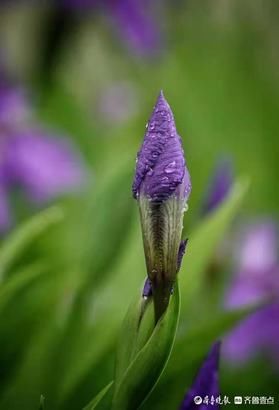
<point x="197" y="341"/>
<point x="136" y="329"/>
<point x="148" y="364"/>
<point x="204" y="241"/>
<point x="18" y="281"/>
<point x="97" y="399"/>
<point x="27" y="233"/>
<point x="189" y="350"/>
<point x="109" y="303"/>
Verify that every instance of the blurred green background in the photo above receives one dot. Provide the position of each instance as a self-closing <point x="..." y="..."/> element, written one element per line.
<point x="217" y="64"/>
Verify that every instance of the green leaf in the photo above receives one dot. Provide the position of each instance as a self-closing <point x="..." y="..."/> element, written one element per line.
<point x="18" y="281"/>
<point x="109" y="223"/>
<point x="100" y="233"/>
<point x="97" y="399"/>
<point x="203" y="243"/>
<point x="26" y="234"/>
<point x="149" y="363"/>
<point x="188" y="352"/>
<point x="196" y="342"/>
<point x="137" y="327"/>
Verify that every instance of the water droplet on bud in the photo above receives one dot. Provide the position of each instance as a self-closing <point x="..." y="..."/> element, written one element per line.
<point x="165" y="179"/>
<point x="170" y="168"/>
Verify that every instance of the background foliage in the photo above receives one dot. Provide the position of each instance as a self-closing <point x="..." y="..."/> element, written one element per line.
<point x="69" y="272"/>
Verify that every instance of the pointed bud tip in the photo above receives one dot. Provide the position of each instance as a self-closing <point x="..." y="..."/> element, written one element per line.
<point x="160" y="168"/>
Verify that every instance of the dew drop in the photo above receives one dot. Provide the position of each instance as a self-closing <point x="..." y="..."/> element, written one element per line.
<point x="165" y="179"/>
<point x="170" y="168"/>
<point x="185" y="208"/>
<point x="155" y="154"/>
<point x="150" y="172"/>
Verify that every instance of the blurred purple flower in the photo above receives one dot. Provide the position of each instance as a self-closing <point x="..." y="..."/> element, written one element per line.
<point x="117" y="102"/>
<point x="257" y="334"/>
<point x="206" y="382"/>
<point x="14" y="109"/>
<point x="39" y="164"/>
<point x="257" y="280"/>
<point x="219" y="186"/>
<point x="135" y="24"/>
<point x="132" y="19"/>
<point x="257" y="248"/>
<point x="42" y="165"/>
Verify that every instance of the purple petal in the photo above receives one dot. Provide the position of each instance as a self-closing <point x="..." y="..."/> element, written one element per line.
<point x="44" y="166"/>
<point x="258" y="333"/>
<point x="134" y="22"/>
<point x="160" y="168"/>
<point x="206" y="382"/>
<point x="257" y="249"/>
<point x="243" y="292"/>
<point x="219" y="186"/>
<point x="256" y="281"/>
<point x="131" y="18"/>
<point x="181" y="252"/>
<point x="147" y="288"/>
<point x="14" y="108"/>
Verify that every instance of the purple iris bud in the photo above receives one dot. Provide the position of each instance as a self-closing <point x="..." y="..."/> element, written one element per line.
<point x="161" y="169"/>
<point x="162" y="187"/>
<point x="256" y="280"/>
<point x="219" y="186"/>
<point x="206" y="383"/>
<point x="43" y="166"/>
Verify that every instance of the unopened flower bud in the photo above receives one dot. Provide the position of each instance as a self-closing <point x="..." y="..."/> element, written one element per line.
<point x="162" y="187"/>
